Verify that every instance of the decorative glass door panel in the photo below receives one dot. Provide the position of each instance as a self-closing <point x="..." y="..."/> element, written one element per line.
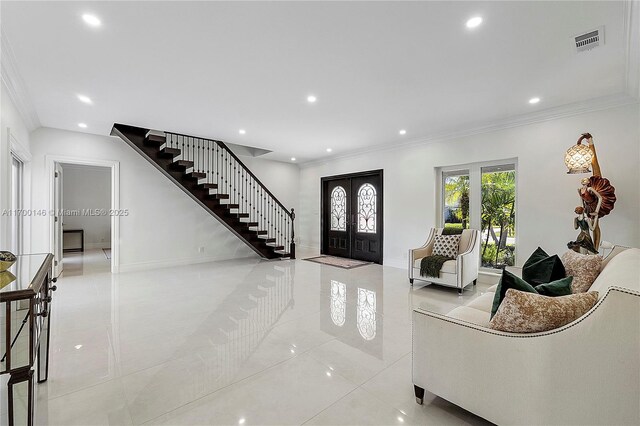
<point x="352" y="216"/>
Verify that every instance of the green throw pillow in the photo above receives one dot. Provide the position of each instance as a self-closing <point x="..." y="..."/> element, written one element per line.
<point x="508" y="281"/>
<point x="561" y="287"/>
<point x="541" y="268"/>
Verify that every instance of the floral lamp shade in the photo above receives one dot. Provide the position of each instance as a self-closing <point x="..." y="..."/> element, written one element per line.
<point x="578" y="158"/>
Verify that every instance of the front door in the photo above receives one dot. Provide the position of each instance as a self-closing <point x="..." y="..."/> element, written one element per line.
<point x="352" y="216"/>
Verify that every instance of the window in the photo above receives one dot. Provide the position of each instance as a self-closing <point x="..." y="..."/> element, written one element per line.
<point x="456" y="199"/>
<point x="338" y="209"/>
<point x="498" y="222"/>
<point x="482" y="196"/>
<point x="367" y="209"/>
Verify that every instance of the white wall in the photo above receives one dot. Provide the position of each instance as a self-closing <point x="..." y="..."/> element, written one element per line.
<point x="282" y="179"/>
<point x="10" y="119"/>
<point x="546" y="194"/>
<point x="165" y="226"/>
<point x="88" y="188"/>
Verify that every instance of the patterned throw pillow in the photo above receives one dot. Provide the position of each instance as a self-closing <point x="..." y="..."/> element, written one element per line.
<point x="446" y="245"/>
<point x="584" y="268"/>
<point x="522" y="312"/>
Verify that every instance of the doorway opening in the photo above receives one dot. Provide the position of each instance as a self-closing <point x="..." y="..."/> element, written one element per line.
<point x="84" y="224"/>
<point x="352" y="216"/>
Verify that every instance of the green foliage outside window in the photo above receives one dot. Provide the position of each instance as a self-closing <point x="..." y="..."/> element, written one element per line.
<point x="498" y="218"/>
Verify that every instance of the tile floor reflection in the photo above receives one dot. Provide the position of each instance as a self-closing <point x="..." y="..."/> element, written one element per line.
<point x="239" y="342"/>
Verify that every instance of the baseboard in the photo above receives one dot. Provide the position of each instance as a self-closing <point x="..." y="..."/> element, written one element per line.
<point x="170" y="263"/>
<point x="395" y="263"/>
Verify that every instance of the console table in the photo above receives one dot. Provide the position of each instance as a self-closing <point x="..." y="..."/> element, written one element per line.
<point x="25" y="310"/>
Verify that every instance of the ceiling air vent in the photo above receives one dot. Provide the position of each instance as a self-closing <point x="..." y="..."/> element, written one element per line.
<point x="589" y="40"/>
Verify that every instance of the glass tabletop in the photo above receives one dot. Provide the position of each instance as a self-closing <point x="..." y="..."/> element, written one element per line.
<point x="20" y="275"/>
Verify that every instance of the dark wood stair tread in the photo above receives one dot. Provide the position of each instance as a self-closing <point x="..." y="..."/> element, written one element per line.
<point x="220" y="196"/>
<point x="269" y="240"/>
<point x="181" y="164"/>
<point x="196" y="175"/>
<point x="154" y="140"/>
<point x="276" y="248"/>
<point x="208" y="185"/>
<point x="169" y="152"/>
<point x="241" y="215"/>
<point x="260" y="232"/>
<point x="252" y="224"/>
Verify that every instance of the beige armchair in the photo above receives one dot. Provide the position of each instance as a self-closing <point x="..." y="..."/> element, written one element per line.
<point x="458" y="273"/>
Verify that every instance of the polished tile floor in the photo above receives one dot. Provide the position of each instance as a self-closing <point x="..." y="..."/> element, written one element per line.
<point x="238" y="342"/>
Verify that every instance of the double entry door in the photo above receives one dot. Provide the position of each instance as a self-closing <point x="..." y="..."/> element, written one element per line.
<point x="352" y="216"/>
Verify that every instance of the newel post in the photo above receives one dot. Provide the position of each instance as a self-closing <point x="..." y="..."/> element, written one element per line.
<point x="292" y="248"/>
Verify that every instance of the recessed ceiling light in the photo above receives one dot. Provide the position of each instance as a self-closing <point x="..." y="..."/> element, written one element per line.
<point x="534" y="100"/>
<point x="474" y="22"/>
<point x="77" y="346"/>
<point x="329" y="150"/>
<point x="242" y="131"/>
<point x="91" y="20"/>
<point x="403" y="132"/>
<point x="82" y="125"/>
<point x="311" y="99"/>
<point x="293" y="158"/>
<point x="85" y="99"/>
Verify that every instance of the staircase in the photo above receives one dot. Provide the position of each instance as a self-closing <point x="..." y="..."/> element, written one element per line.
<point x="214" y="177"/>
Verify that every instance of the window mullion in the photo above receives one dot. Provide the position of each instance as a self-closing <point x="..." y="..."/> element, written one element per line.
<point x="475" y="196"/>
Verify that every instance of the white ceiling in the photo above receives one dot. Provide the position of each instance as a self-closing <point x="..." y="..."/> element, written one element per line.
<point x="210" y="69"/>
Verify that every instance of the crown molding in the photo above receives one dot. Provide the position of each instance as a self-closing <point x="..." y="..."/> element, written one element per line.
<point x="16" y="88"/>
<point x="550" y="114"/>
<point x="632" y="33"/>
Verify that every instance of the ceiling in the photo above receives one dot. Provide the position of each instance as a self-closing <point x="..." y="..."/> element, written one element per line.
<point x="212" y="68"/>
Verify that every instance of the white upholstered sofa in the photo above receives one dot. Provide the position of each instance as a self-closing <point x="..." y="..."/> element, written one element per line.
<point x="457" y="273"/>
<point x="587" y="372"/>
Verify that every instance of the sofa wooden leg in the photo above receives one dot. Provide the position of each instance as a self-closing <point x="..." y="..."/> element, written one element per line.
<point x="411" y="281"/>
<point x="419" y="394"/>
<point x="475" y="281"/>
<point x="460" y="292"/>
